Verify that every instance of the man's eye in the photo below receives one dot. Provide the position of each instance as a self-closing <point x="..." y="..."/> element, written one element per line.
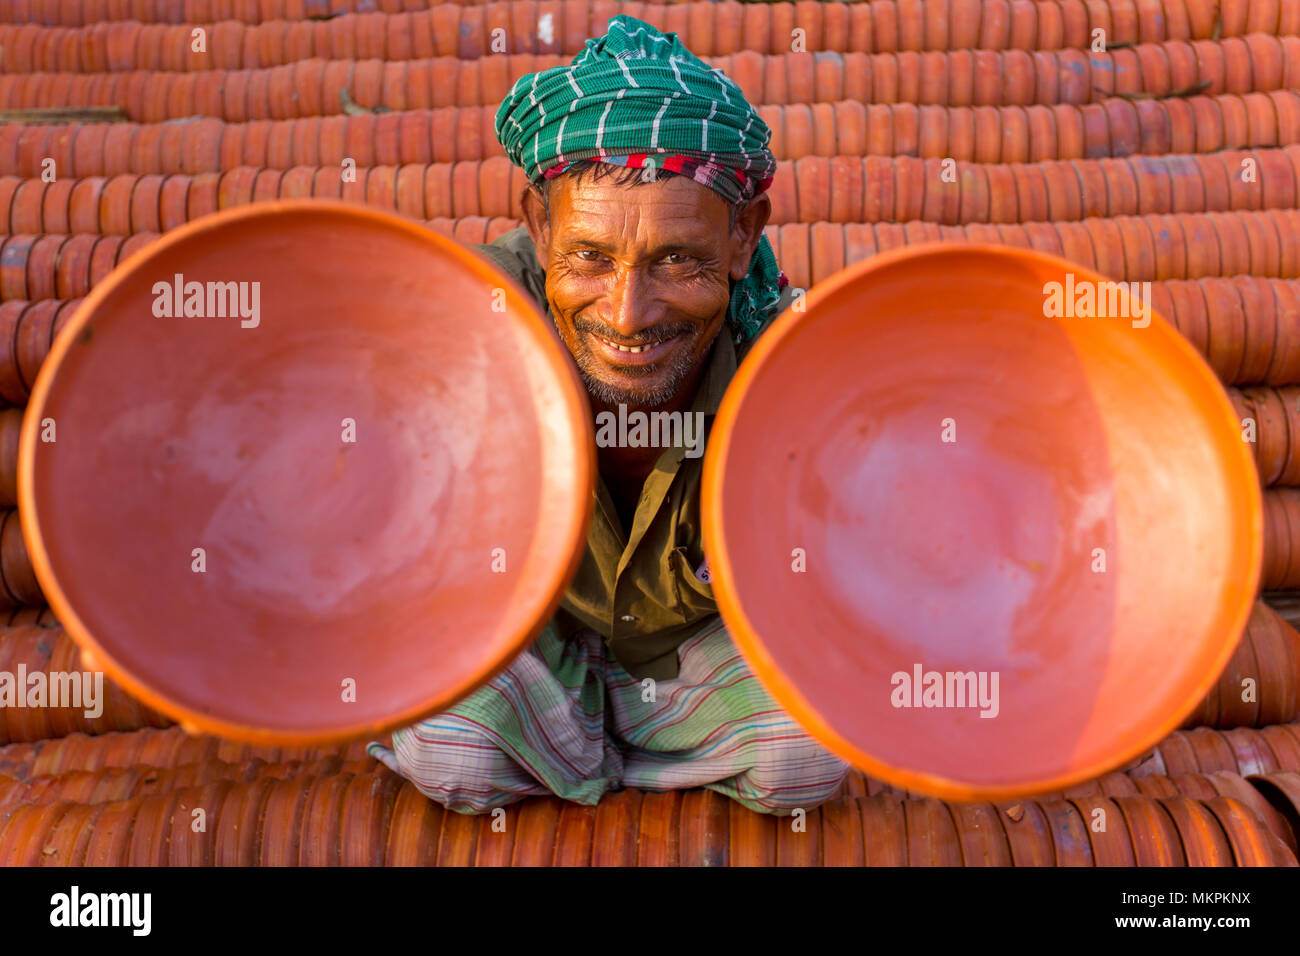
<point x="589" y="255"/>
<point x="676" y="259"/>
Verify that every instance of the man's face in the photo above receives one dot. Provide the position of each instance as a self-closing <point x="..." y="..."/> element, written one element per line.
<point x="637" y="278"/>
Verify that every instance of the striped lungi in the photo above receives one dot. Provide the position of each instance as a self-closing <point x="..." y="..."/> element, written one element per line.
<point x="565" y="718"/>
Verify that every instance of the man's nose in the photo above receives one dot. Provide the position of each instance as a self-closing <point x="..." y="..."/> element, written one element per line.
<point x="630" y="305"/>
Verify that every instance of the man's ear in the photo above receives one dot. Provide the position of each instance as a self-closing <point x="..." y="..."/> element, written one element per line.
<point x="747" y="233"/>
<point x="537" y="223"/>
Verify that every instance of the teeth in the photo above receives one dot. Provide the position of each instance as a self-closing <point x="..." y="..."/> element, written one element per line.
<point x="636" y="350"/>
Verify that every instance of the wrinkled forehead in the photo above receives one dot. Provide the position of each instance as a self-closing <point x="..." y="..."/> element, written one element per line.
<point x="671" y="210"/>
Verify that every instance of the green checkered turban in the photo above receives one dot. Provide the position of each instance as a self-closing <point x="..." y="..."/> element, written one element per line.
<point x="637" y="97"/>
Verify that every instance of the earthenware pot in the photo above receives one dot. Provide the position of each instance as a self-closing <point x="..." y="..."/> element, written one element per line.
<point x="417" y="820"/>
<point x="1155" y="837"/>
<point x="1236" y="122"/>
<point x="932" y="834"/>
<point x="1253" y="844"/>
<point x="1156" y="68"/>
<point x="1203" y="840"/>
<point x="1201" y="245"/>
<point x="110" y="838"/>
<point x="863" y="739"/>
<point x="1284" y="746"/>
<point x="884" y="831"/>
<point x="321" y="821"/>
<point x="995" y="26"/>
<point x="1155" y="786"/>
<point x="1259" y="309"/>
<point x="813" y="181"/>
<point x="1277" y="540"/>
<point x="124" y="653"/>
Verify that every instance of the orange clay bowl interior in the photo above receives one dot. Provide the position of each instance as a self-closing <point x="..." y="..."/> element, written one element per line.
<point x="410" y="563"/>
<point x="1076" y="440"/>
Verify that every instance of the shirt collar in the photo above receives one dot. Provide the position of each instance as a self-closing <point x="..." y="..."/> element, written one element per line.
<point x="718" y="375"/>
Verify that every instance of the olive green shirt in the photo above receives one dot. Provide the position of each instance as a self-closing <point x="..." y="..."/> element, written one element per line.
<point x="646" y="591"/>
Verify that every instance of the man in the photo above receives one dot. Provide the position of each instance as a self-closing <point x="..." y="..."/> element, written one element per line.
<point x="643" y="240"/>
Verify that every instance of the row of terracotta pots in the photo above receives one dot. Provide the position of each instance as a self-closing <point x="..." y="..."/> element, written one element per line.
<point x="50" y="651"/>
<point x="1015" y="134"/>
<point x="304" y="88"/>
<point x="1230" y="320"/>
<point x="152" y="203"/>
<point x="814" y="190"/>
<point x="1221" y="784"/>
<point x="881" y="830"/>
<point x="24" y="616"/>
<point x="983" y="134"/>
<point x="753" y="838"/>
<point x="1281" y="539"/>
<point x="969" y="190"/>
<point x="18" y="585"/>
<point x="1255" y="63"/>
<point x="60" y="265"/>
<point x="1260" y="686"/>
<point x="1130" y="248"/>
<point x="1268" y="655"/>
<point x="1261" y="252"/>
<point x="1272" y="416"/>
<point x="1221" y="754"/>
<point x="1246" y="327"/>
<point x="129" y="204"/>
<point x="311" y="87"/>
<point x="833" y="185"/>
<point x="706" y="28"/>
<point x="340" y="819"/>
<point x="1254" y="753"/>
<point x="1241" y="750"/>
<point x="123" y="783"/>
<point x="32" y="326"/>
<point x="371" y="819"/>
<point x="150" y="747"/>
<point x="75" y="13"/>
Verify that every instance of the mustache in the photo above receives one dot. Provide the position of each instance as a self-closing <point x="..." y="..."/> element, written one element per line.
<point x="651" y="336"/>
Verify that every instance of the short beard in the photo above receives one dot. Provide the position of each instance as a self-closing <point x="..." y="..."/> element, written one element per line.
<point x="589" y="368"/>
<point x="647" y="396"/>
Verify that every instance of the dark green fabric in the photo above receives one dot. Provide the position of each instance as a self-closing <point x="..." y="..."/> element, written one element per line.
<point x="634" y="90"/>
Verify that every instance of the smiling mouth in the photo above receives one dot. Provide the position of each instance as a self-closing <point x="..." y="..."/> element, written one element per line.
<point x="642" y="354"/>
<point x="634" y="349"/>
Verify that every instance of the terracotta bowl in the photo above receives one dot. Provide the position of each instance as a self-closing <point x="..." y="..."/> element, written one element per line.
<point x="851" y="544"/>
<point x="328" y="563"/>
